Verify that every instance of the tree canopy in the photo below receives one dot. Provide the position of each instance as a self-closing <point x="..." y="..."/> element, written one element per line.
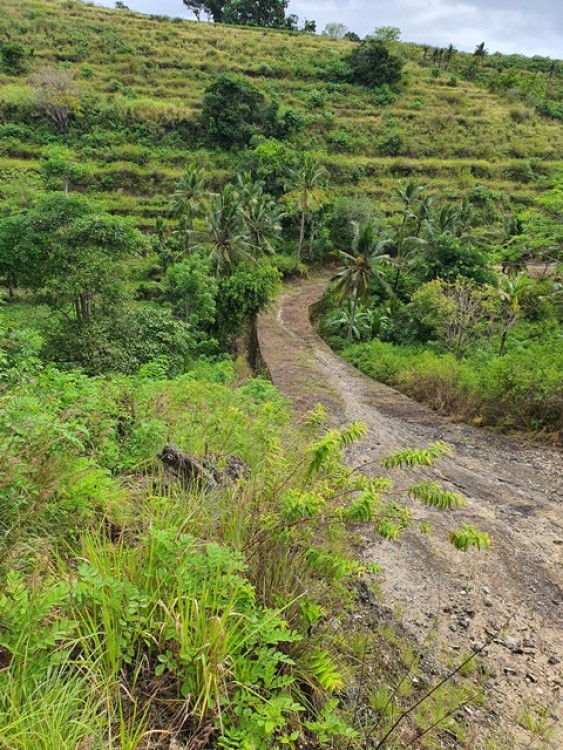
<point x="241" y="12"/>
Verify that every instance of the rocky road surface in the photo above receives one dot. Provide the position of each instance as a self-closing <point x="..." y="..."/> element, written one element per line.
<point x="513" y="489"/>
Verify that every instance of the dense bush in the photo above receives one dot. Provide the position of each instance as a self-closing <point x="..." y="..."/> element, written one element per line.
<point x="521" y="391"/>
<point x="374" y="65"/>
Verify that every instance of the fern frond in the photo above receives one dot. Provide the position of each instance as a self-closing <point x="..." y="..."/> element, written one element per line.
<point x="411" y="457"/>
<point x="469" y="536"/>
<point x="433" y="494"/>
<point x="325" y="671"/>
<point x="333" y="441"/>
<point x="362" y="508"/>
<point x="388" y="529"/>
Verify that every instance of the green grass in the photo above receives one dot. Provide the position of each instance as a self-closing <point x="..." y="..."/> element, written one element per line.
<point x="146" y="75"/>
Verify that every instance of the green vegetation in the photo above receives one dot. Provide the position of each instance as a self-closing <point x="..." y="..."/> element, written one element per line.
<point x="175" y="556"/>
<point x="440" y="323"/>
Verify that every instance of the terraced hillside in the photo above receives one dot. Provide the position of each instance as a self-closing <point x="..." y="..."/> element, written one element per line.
<point x="141" y="81"/>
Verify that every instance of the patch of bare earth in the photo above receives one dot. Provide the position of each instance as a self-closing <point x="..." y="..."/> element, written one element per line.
<point x="513" y="489"/>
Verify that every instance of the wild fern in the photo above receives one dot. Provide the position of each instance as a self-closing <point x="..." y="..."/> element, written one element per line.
<point x="433" y="494"/>
<point x="469" y="536"/>
<point x="411" y="457"/>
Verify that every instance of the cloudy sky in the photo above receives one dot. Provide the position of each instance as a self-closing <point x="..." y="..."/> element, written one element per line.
<point x="532" y="27"/>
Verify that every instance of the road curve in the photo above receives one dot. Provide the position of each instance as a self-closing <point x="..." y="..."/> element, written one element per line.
<point x="512" y="488"/>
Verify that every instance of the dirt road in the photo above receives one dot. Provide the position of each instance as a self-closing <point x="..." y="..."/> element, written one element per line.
<point x="513" y="489"/>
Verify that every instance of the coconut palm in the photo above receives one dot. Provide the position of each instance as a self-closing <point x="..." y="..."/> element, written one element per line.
<point x="306" y="184"/>
<point x="189" y="198"/>
<point x="360" y="266"/>
<point x="481" y="52"/>
<point x="450" y="52"/>
<point x="228" y="235"/>
<point x="261" y="214"/>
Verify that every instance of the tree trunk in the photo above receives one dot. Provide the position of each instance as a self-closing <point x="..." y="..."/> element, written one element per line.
<point x="301" y="238"/>
<point x="66" y="187"/>
<point x="502" y="347"/>
<point x="353" y="314"/>
<point x="10" y="285"/>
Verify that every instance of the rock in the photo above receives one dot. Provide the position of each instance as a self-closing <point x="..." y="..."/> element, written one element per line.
<point x="528" y="643"/>
<point x="553" y="660"/>
<point x="509" y="672"/>
<point x="488" y="602"/>
<point x="511" y="644"/>
<point x="531" y="677"/>
<point x="204" y="472"/>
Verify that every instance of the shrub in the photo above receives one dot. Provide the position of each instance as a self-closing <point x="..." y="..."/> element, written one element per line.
<point x="13" y="58"/>
<point x="373" y="65"/>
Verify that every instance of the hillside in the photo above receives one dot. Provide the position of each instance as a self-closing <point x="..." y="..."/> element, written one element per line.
<point x="142" y="79"/>
<point x="209" y="519"/>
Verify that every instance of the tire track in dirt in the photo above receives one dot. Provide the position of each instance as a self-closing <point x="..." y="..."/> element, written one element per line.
<point x="512" y="488"/>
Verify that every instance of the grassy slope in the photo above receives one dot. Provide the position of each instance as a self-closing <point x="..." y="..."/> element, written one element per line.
<point x="153" y="72"/>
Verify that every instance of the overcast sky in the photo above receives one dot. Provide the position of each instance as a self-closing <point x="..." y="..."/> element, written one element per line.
<point x="531" y="27"/>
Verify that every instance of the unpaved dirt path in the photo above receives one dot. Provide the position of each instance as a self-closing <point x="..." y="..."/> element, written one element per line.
<point x="513" y="489"/>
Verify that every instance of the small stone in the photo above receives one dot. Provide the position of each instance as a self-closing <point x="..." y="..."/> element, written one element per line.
<point x="511" y="644"/>
<point x="553" y="660"/>
<point x="510" y="672"/>
<point x="528" y="643"/>
<point x="486" y="590"/>
<point x="531" y="677"/>
<point x="488" y="602"/>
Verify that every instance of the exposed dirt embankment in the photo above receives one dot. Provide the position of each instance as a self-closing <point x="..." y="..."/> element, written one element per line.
<point x="513" y="489"/>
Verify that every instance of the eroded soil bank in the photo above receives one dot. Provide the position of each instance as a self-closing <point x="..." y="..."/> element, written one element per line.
<point x="513" y="489"/>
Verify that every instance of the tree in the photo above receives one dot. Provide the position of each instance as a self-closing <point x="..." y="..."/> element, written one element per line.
<point x="12" y="253"/>
<point x="269" y="13"/>
<point x="233" y="112"/>
<point x="59" y="168"/>
<point x="191" y="290"/>
<point x="387" y="34"/>
<point x="306" y="184"/>
<point x="458" y="313"/>
<point x="256" y="12"/>
<point x="228" y="237"/>
<point x="352" y="36"/>
<point x="510" y="291"/>
<point x="335" y="30"/>
<point x="373" y="65"/>
<point x="450" y="52"/>
<point x="188" y="199"/>
<point x="69" y="250"/>
<point x="309" y="26"/>
<point x="481" y="52"/>
<point x="56" y="95"/>
<point x="360" y="266"/>
<point x="262" y="216"/>
<point x="241" y="296"/>
<point x="13" y="58"/>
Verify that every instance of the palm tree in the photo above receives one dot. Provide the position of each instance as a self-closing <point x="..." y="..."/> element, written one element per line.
<point x="306" y="187"/>
<point x="481" y="52"/>
<point x="510" y="291"/>
<point x="425" y="50"/>
<point x="189" y="197"/>
<point x="411" y="195"/>
<point x="360" y="266"/>
<point x="261" y="214"/>
<point x="228" y="235"/>
<point x="450" y="52"/>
